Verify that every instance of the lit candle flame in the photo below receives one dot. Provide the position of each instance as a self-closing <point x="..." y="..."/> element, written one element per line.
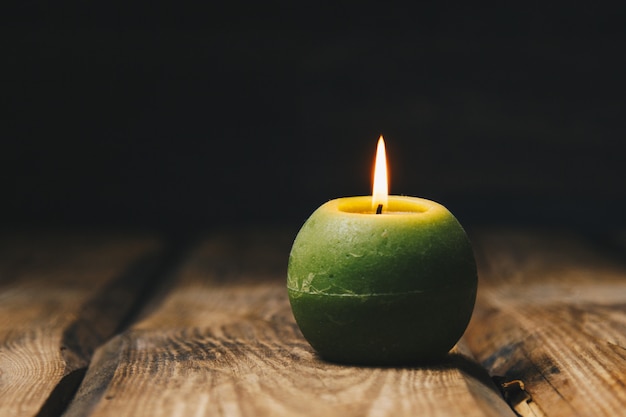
<point x="380" y="191"/>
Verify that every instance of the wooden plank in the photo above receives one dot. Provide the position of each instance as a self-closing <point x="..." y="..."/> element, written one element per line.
<point x="551" y="312"/>
<point x="60" y="297"/>
<point x="222" y="341"/>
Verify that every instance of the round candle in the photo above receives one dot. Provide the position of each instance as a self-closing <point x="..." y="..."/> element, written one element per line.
<point x="396" y="287"/>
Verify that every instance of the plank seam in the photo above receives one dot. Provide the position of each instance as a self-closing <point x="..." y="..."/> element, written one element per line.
<point x="82" y="337"/>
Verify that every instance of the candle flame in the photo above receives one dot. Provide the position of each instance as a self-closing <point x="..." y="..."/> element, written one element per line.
<point x="380" y="189"/>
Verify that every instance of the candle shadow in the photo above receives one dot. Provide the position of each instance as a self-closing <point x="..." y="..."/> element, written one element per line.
<point x="451" y="361"/>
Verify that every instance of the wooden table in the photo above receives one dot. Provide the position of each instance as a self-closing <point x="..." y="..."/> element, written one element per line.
<point x="125" y="325"/>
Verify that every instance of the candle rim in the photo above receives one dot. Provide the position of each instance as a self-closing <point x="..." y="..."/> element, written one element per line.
<point x="396" y="206"/>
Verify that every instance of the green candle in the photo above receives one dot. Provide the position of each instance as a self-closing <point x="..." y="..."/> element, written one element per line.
<point x="397" y="287"/>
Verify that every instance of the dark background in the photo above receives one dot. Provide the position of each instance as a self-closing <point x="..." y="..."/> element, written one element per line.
<point x="188" y="118"/>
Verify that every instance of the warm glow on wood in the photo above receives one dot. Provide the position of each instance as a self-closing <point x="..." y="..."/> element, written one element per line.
<point x="380" y="191"/>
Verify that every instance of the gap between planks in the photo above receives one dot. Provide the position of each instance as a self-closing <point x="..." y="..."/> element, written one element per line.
<point x="61" y="296"/>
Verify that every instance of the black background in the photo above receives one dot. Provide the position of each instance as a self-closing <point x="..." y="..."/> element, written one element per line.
<point x="194" y="117"/>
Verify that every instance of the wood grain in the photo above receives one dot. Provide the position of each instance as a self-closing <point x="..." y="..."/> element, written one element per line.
<point x="551" y="312"/>
<point x="60" y="297"/>
<point x="221" y="340"/>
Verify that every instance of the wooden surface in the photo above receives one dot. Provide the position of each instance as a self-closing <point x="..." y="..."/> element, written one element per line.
<point x="222" y="341"/>
<point x="215" y="335"/>
<point x="551" y="311"/>
<point x="60" y="297"/>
